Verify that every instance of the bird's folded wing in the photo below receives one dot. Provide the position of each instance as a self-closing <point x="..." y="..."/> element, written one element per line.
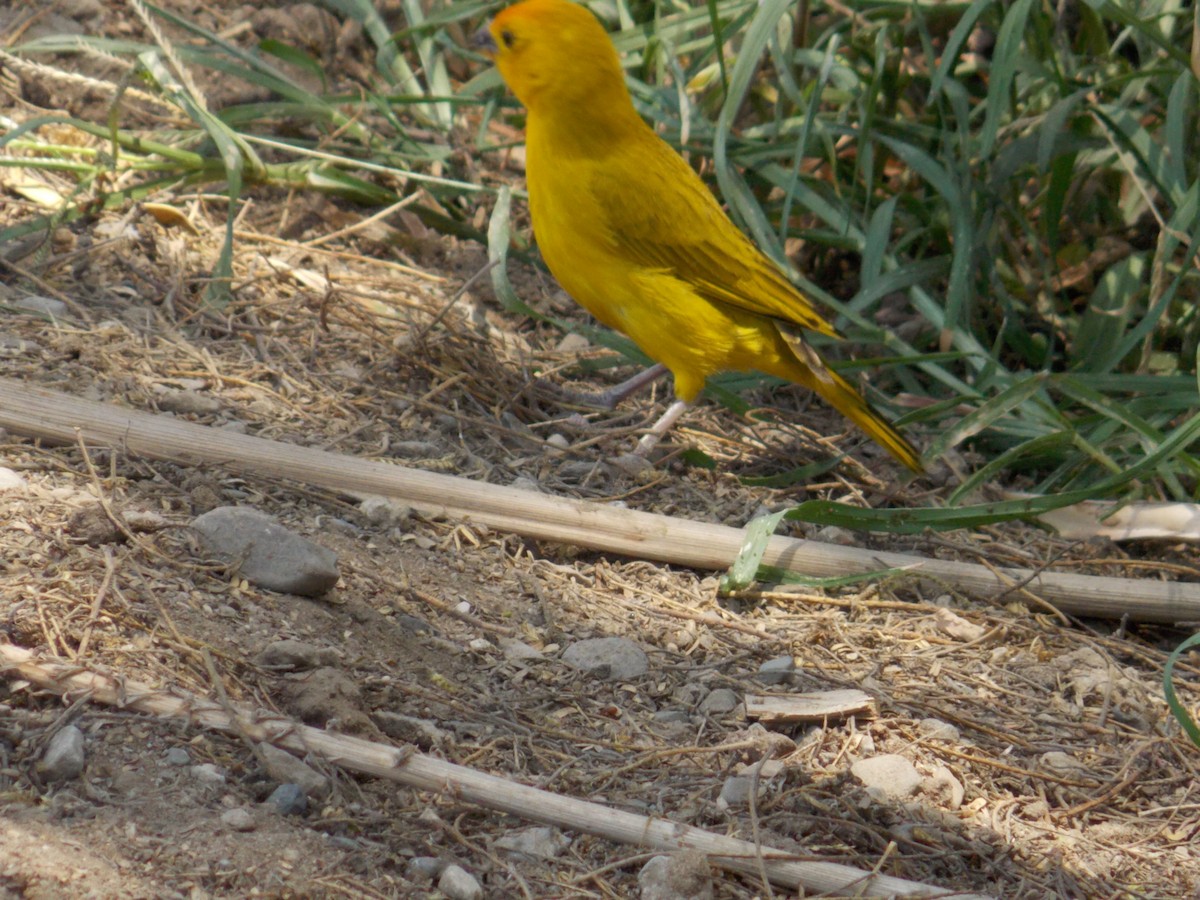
<point x="660" y="214"/>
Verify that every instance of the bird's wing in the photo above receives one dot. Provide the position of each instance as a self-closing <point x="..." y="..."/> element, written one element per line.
<point x="660" y="214"/>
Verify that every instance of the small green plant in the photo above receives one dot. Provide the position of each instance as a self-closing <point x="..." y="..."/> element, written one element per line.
<point x="1178" y="710"/>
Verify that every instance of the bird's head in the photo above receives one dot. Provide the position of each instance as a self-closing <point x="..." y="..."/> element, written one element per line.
<point x="554" y="54"/>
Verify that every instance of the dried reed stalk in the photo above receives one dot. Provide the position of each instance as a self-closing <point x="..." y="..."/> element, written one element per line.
<point x="427" y="773"/>
<point x="53" y="416"/>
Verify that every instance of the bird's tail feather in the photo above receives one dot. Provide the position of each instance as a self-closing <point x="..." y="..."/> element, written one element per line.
<point x="811" y="371"/>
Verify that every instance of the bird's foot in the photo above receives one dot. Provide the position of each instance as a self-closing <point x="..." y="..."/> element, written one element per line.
<point x="664" y="424"/>
<point x="610" y="398"/>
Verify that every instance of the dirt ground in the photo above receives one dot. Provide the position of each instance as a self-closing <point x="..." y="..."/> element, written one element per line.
<point x="1049" y="764"/>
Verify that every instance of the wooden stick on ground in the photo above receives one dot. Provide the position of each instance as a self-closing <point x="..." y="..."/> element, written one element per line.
<point x="490" y="791"/>
<point x="57" y="417"/>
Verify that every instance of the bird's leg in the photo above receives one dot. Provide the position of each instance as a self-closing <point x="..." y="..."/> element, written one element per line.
<point x="610" y="398"/>
<point x="650" y="440"/>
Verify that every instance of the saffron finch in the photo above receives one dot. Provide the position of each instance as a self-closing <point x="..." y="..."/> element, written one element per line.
<point x="635" y="236"/>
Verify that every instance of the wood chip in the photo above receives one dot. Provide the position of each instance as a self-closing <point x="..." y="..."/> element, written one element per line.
<point x="777" y="709"/>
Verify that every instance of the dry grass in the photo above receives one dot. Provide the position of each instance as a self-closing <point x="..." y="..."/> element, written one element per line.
<point x="1074" y="779"/>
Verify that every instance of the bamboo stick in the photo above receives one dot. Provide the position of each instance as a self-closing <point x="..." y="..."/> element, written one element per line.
<point x="405" y="766"/>
<point x="53" y="416"/>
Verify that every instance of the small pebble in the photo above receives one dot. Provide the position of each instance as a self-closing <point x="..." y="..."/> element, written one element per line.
<point x="177" y="756"/>
<point x="289" y="655"/>
<point x="937" y="729"/>
<point x="237" y="820"/>
<point x="685" y="875"/>
<point x="945" y="787"/>
<point x="268" y="555"/>
<point x="777" y="671"/>
<point x="719" y="702"/>
<point x="514" y="649"/>
<point x="383" y="511"/>
<point x="47" y="306"/>
<point x="286" y="769"/>
<point x="459" y="884"/>
<point x="735" y="791"/>
<point x="558" y="441"/>
<point x="64" y="757"/>
<point x="207" y="773"/>
<point x="424" y="868"/>
<point x="891" y="774"/>
<point x="288" y="800"/>
<point x="613" y="658"/>
<point x="538" y="842"/>
<point x="10" y="480"/>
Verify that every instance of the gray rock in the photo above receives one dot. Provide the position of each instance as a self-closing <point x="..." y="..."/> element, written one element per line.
<point x="735" y="791"/>
<point x="424" y="868"/>
<point x="288" y="800"/>
<point x="459" y="884"/>
<point x="12" y="346"/>
<point x="685" y="875"/>
<point x="515" y="650"/>
<point x="539" y="842"/>
<point x="422" y="733"/>
<point x="46" y="306"/>
<point x="10" y="480"/>
<point x="937" y="729"/>
<point x="177" y="756"/>
<point x="266" y="553"/>
<point x="613" y="658"/>
<point x="777" y="671"/>
<point x="289" y="655"/>
<point x="690" y="693"/>
<point x="719" y="702"/>
<point x="207" y="773"/>
<point x="892" y="775"/>
<point x="238" y="820"/>
<point x="281" y="766"/>
<point x="383" y="511"/>
<point x="64" y="756"/>
<point x="945" y="788"/>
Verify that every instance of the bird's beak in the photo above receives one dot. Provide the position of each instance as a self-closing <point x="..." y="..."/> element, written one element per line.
<point x="484" y="42"/>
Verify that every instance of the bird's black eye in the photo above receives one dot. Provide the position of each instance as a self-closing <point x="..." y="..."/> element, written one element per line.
<point x="507" y="38"/>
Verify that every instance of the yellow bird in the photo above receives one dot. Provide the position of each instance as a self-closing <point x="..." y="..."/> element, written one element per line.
<point x="635" y="236"/>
